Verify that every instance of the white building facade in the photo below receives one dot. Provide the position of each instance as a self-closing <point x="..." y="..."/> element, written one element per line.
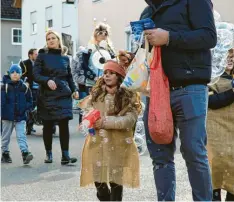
<point x="39" y="16"/>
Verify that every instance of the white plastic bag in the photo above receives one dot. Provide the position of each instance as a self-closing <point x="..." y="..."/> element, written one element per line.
<point x="138" y="71"/>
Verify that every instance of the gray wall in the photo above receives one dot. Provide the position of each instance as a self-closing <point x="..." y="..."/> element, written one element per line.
<point x="9" y="52"/>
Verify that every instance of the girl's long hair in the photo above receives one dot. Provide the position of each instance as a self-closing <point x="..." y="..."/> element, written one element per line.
<point x="123" y="97"/>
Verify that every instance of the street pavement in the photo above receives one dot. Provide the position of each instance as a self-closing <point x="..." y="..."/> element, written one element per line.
<point x="54" y="182"/>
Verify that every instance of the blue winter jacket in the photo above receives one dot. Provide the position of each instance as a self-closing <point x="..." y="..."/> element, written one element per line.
<point x="16" y="100"/>
<point x="192" y="33"/>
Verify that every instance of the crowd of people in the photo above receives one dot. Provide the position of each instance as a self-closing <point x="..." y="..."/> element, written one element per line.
<point x="203" y="114"/>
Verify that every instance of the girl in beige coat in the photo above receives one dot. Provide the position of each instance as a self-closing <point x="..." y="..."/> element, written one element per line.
<point x="220" y="130"/>
<point x="110" y="157"/>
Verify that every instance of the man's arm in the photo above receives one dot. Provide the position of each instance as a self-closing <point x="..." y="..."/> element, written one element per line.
<point x="203" y="35"/>
<point x="219" y="100"/>
<point x="30" y="73"/>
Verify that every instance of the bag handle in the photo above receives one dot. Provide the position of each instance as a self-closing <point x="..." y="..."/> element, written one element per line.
<point x="143" y="37"/>
<point x="146" y="47"/>
<point x="157" y="57"/>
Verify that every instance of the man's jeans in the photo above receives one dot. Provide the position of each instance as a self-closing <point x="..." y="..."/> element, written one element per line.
<point x="20" y="128"/>
<point x="189" y="108"/>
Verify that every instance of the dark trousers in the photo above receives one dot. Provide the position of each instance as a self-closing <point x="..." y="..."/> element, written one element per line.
<point x="48" y="129"/>
<point x="106" y="194"/>
<point x="217" y="195"/>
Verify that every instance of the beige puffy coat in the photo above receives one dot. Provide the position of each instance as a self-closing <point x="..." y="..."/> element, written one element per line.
<point x="111" y="155"/>
<point x="220" y="130"/>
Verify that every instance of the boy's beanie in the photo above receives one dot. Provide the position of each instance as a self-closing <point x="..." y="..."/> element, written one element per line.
<point x="15" y="68"/>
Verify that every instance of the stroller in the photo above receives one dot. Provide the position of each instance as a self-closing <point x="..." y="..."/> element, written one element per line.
<point x="35" y="117"/>
<point x="139" y="135"/>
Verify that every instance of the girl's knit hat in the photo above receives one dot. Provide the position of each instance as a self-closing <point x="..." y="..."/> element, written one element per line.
<point x="115" y="67"/>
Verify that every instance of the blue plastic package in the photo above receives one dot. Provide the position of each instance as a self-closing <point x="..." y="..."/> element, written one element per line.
<point x="139" y="26"/>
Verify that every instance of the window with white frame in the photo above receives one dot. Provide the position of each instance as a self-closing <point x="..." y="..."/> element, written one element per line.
<point x="33" y="17"/>
<point x="49" y="18"/>
<point x="67" y="8"/>
<point x="16" y="36"/>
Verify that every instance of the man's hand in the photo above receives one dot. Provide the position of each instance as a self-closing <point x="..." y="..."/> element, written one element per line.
<point x="52" y="85"/>
<point x="157" y="37"/>
<point x="125" y="58"/>
<point x="98" y="124"/>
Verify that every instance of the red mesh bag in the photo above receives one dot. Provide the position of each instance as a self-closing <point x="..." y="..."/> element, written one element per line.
<point x="160" y="121"/>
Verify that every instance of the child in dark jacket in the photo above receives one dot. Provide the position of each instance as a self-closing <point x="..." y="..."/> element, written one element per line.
<point x="16" y="101"/>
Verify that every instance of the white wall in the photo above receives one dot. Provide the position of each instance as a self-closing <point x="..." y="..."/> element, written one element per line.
<point x="38" y="40"/>
<point x="225" y="9"/>
<point x="118" y="14"/>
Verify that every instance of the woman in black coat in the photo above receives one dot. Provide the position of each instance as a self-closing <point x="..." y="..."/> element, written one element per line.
<point x="53" y="73"/>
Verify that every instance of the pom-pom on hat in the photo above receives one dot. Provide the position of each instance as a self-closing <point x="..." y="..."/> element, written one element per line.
<point x="15" y="68"/>
<point x="115" y="67"/>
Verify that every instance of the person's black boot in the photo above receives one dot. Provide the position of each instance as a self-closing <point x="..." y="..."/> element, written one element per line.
<point x="66" y="158"/>
<point x="27" y="157"/>
<point x="216" y="195"/>
<point x="49" y="157"/>
<point x="103" y="192"/>
<point x="116" y="192"/>
<point x="229" y="197"/>
<point x="6" y="158"/>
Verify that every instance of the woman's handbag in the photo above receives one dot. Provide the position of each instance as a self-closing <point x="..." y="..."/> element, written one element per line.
<point x="160" y="120"/>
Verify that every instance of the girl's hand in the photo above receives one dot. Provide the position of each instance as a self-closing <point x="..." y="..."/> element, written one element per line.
<point x="125" y="58"/>
<point x="98" y="124"/>
<point x="52" y="85"/>
<point x="75" y="95"/>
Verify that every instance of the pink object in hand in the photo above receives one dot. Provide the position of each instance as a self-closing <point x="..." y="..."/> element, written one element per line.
<point x="92" y="117"/>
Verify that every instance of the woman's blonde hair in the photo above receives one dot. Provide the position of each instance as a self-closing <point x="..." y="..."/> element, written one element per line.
<point x="63" y="48"/>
